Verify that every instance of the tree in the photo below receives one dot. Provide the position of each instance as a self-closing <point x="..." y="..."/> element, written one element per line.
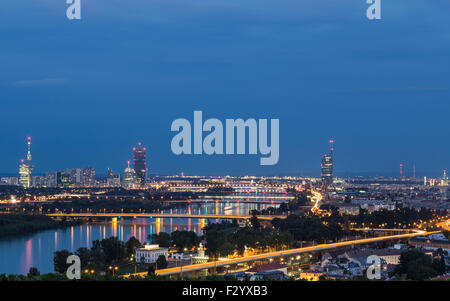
<point x="214" y="239"/>
<point x="417" y="266"/>
<point x="85" y="257"/>
<point x="60" y="261"/>
<point x="131" y="245"/>
<point x="162" y="239"/>
<point x="439" y="265"/>
<point x="161" y="262"/>
<point x="226" y="249"/>
<point x="151" y="270"/>
<point x="185" y="240"/>
<point x="97" y="255"/>
<point x="255" y="222"/>
<point x="33" y="272"/>
<point x="113" y="249"/>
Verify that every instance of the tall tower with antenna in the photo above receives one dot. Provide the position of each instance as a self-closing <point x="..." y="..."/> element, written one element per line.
<point x="401" y="170"/>
<point x="327" y="167"/>
<point x="25" y="169"/>
<point x="29" y="159"/>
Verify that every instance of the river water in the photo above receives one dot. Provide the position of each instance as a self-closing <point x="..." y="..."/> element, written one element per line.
<point x="18" y="254"/>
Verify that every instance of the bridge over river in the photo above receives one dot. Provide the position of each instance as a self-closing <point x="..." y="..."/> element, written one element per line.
<point x="163" y="215"/>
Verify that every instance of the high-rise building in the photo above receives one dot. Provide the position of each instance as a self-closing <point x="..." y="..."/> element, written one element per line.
<point x="38" y="181"/>
<point x="88" y="176"/>
<point x="129" y="177"/>
<point x="63" y="179"/>
<point x="24" y="175"/>
<point x="327" y="168"/>
<point x="51" y="179"/>
<point x="139" y="164"/>
<point x="12" y="181"/>
<point x="25" y="169"/>
<point x="113" y="179"/>
<point x="75" y="174"/>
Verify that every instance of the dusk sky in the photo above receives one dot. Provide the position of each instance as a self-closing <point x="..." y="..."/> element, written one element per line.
<point x="89" y="90"/>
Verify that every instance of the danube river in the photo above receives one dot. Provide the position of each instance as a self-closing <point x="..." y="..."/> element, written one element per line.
<point x="18" y="254"/>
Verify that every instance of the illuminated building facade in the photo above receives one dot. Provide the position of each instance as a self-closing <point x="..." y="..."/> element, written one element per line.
<point x="75" y="174"/>
<point x="140" y="164"/>
<point x="63" y="179"/>
<point x="129" y="177"/>
<point x="150" y="253"/>
<point x="327" y="168"/>
<point x="444" y="181"/>
<point x="88" y="176"/>
<point x="25" y="169"/>
<point x="24" y="175"/>
<point x="113" y="179"/>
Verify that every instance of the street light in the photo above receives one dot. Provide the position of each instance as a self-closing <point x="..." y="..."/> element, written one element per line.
<point x="113" y="269"/>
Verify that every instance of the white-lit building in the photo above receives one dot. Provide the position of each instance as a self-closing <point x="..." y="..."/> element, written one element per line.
<point x="348" y="209"/>
<point x="150" y="253"/>
<point x="13" y="181"/>
<point x="25" y="175"/>
<point x="129" y="178"/>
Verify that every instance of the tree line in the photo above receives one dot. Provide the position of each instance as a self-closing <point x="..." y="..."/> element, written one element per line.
<point x="19" y="224"/>
<point x="102" y="254"/>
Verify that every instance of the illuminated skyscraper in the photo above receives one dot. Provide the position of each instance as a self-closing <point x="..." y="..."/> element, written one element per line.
<point x="63" y="179"/>
<point x="139" y="164"/>
<point x="25" y="169"/>
<point x="128" y="177"/>
<point x="327" y="168"/>
<point x="113" y="179"/>
<point x="24" y="173"/>
<point x="88" y="176"/>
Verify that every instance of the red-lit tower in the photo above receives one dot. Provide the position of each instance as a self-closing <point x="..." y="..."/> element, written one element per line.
<point x="140" y="164"/>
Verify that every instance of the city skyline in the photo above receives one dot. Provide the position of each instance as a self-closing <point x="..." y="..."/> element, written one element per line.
<point x="326" y="169"/>
<point x="324" y="70"/>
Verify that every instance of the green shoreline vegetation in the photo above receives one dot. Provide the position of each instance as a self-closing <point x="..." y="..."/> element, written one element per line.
<point x="17" y="224"/>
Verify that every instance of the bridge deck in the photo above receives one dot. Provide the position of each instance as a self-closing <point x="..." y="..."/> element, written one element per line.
<point x="162" y="215"/>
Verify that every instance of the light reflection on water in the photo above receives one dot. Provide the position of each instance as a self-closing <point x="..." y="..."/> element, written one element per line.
<point x="17" y="255"/>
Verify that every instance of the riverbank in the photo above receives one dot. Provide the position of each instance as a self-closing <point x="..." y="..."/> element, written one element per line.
<point x="16" y="224"/>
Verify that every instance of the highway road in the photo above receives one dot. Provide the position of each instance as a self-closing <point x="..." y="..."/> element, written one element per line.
<point x="321" y="247"/>
<point x="445" y="225"/>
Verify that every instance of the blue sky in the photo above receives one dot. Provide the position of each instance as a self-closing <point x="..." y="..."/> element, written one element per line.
<point x="87" y="91"/>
